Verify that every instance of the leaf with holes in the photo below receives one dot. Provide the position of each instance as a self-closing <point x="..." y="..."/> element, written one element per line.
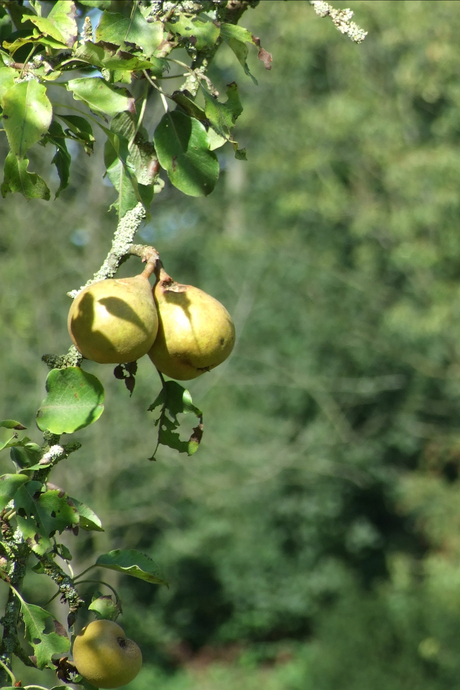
<point x="17" y="179"/>
<point x="40" y="515"/>
<point x="45" y="645"/>
<point x="175" y="400"/>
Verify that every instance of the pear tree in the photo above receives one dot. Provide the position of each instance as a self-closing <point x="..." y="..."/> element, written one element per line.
<point x="73" y="74"/>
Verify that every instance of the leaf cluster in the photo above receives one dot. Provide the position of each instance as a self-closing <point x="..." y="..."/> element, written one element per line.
<point x="111" y="70"/>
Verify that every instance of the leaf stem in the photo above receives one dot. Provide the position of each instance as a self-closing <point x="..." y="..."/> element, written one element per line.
<point x="9" y="672"/>
<point x="101" y="582"/>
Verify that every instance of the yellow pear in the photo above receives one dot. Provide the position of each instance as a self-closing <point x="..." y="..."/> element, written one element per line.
<point x="115" y="320"/>
<point x="104" y="656"/>
<point x="195" y="331"/>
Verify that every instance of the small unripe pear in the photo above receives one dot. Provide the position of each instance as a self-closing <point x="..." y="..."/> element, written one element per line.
<point x="195" y="331"/>
<point x="114" y="321"/>
<point x="104" y="656"/>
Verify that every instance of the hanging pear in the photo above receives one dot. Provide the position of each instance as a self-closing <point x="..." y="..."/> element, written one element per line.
<point x="114" y="321"/>
<point x="195" y="331"/>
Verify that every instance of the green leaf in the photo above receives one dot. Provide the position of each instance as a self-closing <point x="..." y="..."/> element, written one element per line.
<point x="18" y="179"/>
<point x="115" y="28"/>
<point x="102" y="98"/>
<point x="39" y="515"/>
<point x="174" y="400"/>
<point x="18" y="39"/>
<point x="200" y="30"/>
<point x="25" y="502"/>
<point x="7" y="75"/>
<point x="101" y="56"/>
<point x="62" y="158"/>
<point x="6" y="26"/>
<point x="88" y="519"/>
<point x="56" y="512"/>
<point x="13" y="441"/>
<point x="27" y="114"/>
<point x="45" y="645"/>
<point x="64" y="552"/>
<point x="48" y="28"/>
<point x="133" y="563"/>
<point x="121" y="174"/>
<point x="105" y="608"/>
<point x="9" y="484"/>
<point x="11" y="424"/>
<point x="74" y="400"/>
<point x="131" y="162"/>
<point x="62" y="16"/>
<point x="80" y="130"/>
<point x="223" y="116"/>
<point x="189" y="105"/>
<point x="183" y="150"/>
<point x="141" y="152"/>
<point x="236" y="37"/>
<point x="25" y="454"/>
<point x="99" y="4"/>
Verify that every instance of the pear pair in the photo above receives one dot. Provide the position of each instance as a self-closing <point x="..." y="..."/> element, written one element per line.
<point x="185" y="331"/>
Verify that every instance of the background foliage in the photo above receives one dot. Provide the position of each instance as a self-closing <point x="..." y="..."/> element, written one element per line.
<point x="313" y="541"/>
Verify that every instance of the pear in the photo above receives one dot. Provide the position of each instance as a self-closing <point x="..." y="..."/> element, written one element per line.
<point x="115" y="320"/>
<point x="104" y="656"/>
<point x="195" y="331"/>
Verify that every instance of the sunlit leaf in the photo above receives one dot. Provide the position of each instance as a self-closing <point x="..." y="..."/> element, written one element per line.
<point x="201" y="31"/>
<point x="47" y="27"/>
<point x="74" y="400"/>
<point x="27" y="114"/>
<point x="62" y="16"/>
<point x="11" y="424"/>
<point x="105" y="607"/>
<point x="88" y="518"/>
<point x="7" y="75"/>
<point x="133" y="563"/>
<point x="100" y="97"/>
<point x="237" y="37"/>
<point x="116" y="28"/>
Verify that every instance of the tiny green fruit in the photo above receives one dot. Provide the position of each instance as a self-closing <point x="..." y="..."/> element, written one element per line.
<point x="104" y="656"/>
<point x="195" y="331"/>
<point x="114" y="321"/>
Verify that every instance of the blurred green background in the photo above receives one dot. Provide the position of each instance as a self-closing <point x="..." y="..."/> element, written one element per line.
<point x="314" y="540"/>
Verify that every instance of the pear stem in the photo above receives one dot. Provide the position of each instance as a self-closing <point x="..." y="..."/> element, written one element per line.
<point x="149" y="256"/>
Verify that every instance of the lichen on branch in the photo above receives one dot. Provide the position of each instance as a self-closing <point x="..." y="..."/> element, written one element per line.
<point x="342" y="19"/>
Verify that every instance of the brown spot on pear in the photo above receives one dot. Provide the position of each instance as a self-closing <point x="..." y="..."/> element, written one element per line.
<point x="195" y="331"/>
<point x="114" y="321"/>
<point x="104" y="656"/>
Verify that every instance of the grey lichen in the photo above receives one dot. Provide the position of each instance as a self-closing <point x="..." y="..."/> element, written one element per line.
<point x="341" y="19"/>
<point x="122" y="240"/>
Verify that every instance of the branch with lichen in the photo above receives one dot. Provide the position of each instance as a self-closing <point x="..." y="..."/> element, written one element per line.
<point x="342" y="20"/>
<point x="15" y="553"/>
<point x="122" y="241"/>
